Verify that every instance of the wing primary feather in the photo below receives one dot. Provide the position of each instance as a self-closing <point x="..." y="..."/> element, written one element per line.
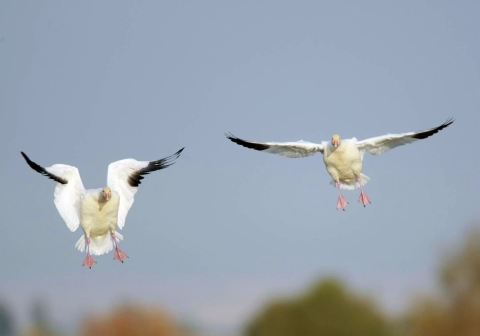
<point x="134" y="179"/>
<point x="425" y="134"/>
<point x="42" y="170"/>
<point x="244" y="143"/>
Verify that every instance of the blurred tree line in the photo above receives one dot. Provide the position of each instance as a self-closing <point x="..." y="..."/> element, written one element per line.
<point x="329" y="308"/>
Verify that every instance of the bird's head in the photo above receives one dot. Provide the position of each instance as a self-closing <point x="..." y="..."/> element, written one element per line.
<point x="336" y="140"/>
<point x="106" y="193"/>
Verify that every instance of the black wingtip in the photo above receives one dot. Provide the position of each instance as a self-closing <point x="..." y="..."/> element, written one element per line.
<point x="179" y="151"/>
<point x="447" y="123"/>
<point x="32" y="164"/>
<point x="42" y="170"/>
<point x="26" y="157"/>
<point x="245" y="143"/>
<point x="425" y="134"/>
<point x="134" y="180"/>
<point x="169" y="160"/>
<point x="229" y="135"/>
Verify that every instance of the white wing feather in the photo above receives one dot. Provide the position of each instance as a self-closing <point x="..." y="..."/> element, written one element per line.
<point x="125" y="176"/>
<point x="68" y="196"/>
<point x="297" y="149"/>
<point x="381" y="144"/>
<point x="117" y="180"/>
<point x="68" y="192"/>
<point x="384" y="143"/>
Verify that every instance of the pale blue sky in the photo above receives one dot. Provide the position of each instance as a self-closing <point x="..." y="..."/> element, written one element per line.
<point x="211" y="237"/>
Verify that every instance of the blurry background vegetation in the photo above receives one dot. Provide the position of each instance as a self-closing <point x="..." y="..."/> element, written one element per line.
<point x="327" y="307"/>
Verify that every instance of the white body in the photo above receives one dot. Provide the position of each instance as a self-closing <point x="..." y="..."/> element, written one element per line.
<point x="98" y="219"/>
<point x="344" y="163"/>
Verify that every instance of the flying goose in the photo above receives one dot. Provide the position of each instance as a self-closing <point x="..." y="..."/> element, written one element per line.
<point x="342" y="158"/>
<point x="99" y="211"/>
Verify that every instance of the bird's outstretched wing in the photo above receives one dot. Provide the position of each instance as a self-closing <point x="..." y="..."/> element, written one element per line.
<point x="381" y="144"/>
<point x="297" y="149"/>
<point x="125" y="176"/>
<point x="68" y="192"/>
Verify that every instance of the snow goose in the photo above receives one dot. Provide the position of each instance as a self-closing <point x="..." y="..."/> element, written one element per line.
<point x="342" y="158"/>
<point x="99" y="211"/>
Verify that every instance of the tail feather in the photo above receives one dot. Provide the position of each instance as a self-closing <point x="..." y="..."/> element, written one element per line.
<point x="351" y="184"/>
<point x="99" y="245"/>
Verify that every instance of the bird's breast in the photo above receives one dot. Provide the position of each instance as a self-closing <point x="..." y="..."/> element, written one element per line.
<point x="344" y="159"/>
<point x="97" y="215"/>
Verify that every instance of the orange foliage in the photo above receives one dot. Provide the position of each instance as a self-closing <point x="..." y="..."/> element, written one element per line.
<point x="132" y="321"/>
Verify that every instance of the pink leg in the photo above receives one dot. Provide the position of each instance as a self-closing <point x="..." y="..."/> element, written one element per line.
<point x="89" y="261"/>
<point x="342" y="202"/>
<point x="363" y="197"/>
<point x="119" y="254"/>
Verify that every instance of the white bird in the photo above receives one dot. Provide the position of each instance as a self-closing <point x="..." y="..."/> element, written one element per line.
<point x="342" y="158"/>
<point x="99" y="211"/>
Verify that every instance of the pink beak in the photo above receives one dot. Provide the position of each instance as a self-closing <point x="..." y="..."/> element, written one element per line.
<point x="107" y="196"/>
<point x="335" y="143"/>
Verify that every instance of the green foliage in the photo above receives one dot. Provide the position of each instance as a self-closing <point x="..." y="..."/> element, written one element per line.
<point x="328" y="308"/>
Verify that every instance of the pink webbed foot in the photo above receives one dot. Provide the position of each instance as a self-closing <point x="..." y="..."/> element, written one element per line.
<point x="119" y="254"/>
<point x="89" y="261"/>
<point x="364" y="198"/>
<point x="341" y="203"/>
